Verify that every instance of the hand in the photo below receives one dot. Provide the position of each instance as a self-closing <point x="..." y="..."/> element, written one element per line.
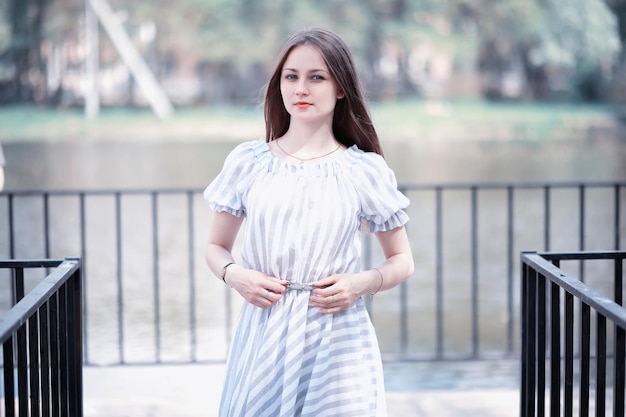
<point x="336" y="293"/>
<point x="256" y="287"/>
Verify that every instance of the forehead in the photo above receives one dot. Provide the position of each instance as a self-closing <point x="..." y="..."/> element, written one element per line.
<point x="305" y="58"/>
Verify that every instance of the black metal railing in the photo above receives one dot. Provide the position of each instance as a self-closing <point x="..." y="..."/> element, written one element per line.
<point x="41" y="341"/>
<point x="564" y="324"/>
<point x="149" y="297"/>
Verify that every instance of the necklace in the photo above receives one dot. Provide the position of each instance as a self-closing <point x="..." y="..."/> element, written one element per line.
<point x="303" y="160"/>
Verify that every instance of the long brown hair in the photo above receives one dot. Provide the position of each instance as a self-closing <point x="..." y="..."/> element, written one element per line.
<point x="351" y="120"/>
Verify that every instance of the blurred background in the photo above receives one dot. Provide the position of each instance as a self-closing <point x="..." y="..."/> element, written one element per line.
<point x="127" y="95"/>
<point x="84" y="73"/>
<point x="220" y="52"/>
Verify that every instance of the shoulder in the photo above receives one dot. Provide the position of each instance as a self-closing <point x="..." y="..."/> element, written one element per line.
<point x="247" y="152"/>
<point x="367" y="162"/>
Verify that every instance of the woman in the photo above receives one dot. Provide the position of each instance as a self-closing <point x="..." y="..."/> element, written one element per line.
<point x="304" y="344"/>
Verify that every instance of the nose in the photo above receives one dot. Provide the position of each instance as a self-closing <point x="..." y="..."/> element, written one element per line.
<point x="301" y="88"/>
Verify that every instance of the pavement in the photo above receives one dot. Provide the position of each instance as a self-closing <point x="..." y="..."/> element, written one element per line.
<point x="423" y="389"/>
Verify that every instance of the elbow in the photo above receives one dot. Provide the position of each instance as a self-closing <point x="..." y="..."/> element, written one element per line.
<point x="410" y="266"/>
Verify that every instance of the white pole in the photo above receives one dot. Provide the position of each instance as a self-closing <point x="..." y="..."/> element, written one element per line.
<point x="92" y="92"/>
<point x="145" y="79"/>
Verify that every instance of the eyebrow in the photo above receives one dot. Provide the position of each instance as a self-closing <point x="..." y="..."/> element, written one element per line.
<point x="310" y="71"/>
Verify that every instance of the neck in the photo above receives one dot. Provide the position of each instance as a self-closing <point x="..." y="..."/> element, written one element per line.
<point x="309" y="138"/>
<point x="306" y="145"/>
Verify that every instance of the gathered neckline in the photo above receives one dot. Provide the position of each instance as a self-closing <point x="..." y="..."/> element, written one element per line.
<point x="330" y="160"/>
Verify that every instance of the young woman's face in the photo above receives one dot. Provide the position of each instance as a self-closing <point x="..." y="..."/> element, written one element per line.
<point x="307" y="87"/>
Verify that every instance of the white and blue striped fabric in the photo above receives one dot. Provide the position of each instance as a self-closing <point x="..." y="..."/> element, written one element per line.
<point x="303" y="223"/>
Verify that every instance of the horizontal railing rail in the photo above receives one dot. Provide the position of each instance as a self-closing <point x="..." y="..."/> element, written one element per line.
<point x="41" y="341"/>
<point x="557" y="331"/>
<point x="149" y="297"/>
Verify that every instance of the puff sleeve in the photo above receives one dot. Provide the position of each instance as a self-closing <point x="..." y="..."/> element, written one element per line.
<point x="226" y="191"/>
<point x="382" y="204"/>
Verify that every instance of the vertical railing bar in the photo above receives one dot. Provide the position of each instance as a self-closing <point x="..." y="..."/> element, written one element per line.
<point x="555" y="350"/>
<point x="619" y="383"/>
<point x="618" y="284"/>
<point x="33" y="364"/>
<point x="46" y="223"/>
<point x="83" y="255"/>
<point x="45" y="359"/>
<point x="8" y="371"/>
<point x="524" y="363"/>
<point x="53" y="311"/>
<point x="617" y="226"/>
<point x="600" y="365"/>
<point x="22" y="372"/>
<point x="620" y="343"/>
<point x="531" y="312"/>
<point x="569" y="355"/>
<point x="510" y="302"/>
<point x="618" y="379"/>
<point x="11" y="203"/>
<point x="581" y="230"/>
<point x="439" y="272"/>
<point x="404" y="320"/>
<point x="18" y="280"/>
<point x="541" y="345"/>
<point x="120" y="284"/>
<point x="21" y="346"/>
<point x="584" y="363"/>
<point x="546" y="217"/>
<point x="192" y="278"/>
<point x="155" y="271"/>
<point x="63" y="352"/>
<point x="75" y="355"/>
<point x="474" y="278"/>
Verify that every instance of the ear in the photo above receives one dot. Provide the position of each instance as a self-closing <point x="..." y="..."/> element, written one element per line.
<point x="340" y="94"/>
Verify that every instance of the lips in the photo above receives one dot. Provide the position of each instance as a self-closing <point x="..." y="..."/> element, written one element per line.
<point x="302" y="104"/>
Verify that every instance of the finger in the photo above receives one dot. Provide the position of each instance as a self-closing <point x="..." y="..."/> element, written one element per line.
<point x="330" y="310"/>
<point x="276" y="286"/>
<point x="324" y="292"/>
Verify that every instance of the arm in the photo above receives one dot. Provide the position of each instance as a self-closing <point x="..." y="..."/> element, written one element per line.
<point x="398" y="265"/>
<point x="256" y="287"/>
<point x="222" y="234"/>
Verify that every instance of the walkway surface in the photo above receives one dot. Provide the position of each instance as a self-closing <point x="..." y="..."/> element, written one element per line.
<point x="485" y="389"/>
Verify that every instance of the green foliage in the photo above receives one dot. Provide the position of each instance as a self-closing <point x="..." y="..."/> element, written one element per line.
<point x="244" y="35"/>
<point x="577" y="33"/>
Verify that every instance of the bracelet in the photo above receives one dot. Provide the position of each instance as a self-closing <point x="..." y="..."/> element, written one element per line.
<point x="223" y="276"/>
<point x="381" y="281"/>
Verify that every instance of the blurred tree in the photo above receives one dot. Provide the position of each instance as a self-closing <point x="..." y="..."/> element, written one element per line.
<point x="506" y="30"/>
<point x="222" y="50"/>
<point x="581" y="39"/>
<point x="618" y="87"/>
<point x="21" y="55"/>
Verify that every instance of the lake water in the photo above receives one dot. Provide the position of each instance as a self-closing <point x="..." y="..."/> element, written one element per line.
<point x="89" y="165"/>
<point x="148" y="165"/>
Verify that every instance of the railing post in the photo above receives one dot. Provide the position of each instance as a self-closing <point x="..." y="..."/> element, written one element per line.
<point x="555" y="350"/>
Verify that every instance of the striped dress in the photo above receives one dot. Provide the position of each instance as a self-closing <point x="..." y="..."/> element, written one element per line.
<point x="303" y="223"/>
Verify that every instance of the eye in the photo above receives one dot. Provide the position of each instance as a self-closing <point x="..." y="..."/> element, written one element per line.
<point x="317" y="77"/>
<point x="291" y="77"/>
